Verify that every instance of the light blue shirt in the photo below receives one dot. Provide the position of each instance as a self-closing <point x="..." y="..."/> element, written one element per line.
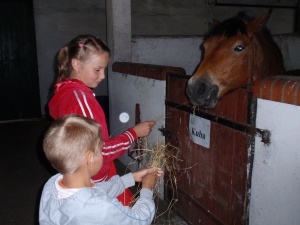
<point x="96" y="205"/>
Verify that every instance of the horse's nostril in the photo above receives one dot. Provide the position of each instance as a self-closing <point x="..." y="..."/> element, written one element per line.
<point x="201" y="89"/>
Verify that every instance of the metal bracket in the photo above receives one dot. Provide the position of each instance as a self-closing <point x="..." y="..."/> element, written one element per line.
<point x="165" y="132"/>
<point x="265" y="136"/>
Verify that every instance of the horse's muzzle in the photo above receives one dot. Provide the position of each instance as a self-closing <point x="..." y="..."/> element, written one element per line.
<point x="202" y="93"/>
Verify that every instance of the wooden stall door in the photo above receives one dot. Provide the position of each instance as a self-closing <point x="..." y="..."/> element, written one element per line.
<point x="213" y="183"/>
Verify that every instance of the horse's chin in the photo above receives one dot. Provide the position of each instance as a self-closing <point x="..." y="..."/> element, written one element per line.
<point x="209" y="100"/>
<point x="210" y="103"/>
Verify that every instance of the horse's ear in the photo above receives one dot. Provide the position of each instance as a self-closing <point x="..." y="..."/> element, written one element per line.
<point x="216" y="22"/>
<point x="258" y="24"/>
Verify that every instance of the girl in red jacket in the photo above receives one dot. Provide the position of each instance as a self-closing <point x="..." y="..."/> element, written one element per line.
<point x="81" y="67"/>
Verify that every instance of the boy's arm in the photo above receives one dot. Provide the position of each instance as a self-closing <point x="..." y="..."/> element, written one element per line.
<point x="116" y="185"/>
<point x="144" y="209"/>
<point x="142" y="213"/>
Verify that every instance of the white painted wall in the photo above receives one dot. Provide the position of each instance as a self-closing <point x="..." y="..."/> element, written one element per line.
<point x="127" y="91"/>
<point x="275" y="191"/>
<point x="181" y="51"/>
<point x="131" y="90"/>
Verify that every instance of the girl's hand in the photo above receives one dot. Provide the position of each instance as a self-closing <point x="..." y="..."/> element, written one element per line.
<point x="143" y="129"/>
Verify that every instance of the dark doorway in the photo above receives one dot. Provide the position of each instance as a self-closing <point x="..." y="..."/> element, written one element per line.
<point x="19" y="83"/>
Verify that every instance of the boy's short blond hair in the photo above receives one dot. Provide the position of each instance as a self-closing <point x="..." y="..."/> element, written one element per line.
<point x="68" y="139"/>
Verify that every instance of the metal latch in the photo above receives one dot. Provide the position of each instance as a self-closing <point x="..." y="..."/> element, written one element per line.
<point x="265" y="136"/>
<point x="165" y="132"/>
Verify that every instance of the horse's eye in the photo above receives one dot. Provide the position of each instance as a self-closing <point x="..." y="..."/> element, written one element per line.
<point x="239" y="48"/>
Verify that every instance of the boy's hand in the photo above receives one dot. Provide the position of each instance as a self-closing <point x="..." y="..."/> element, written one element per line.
<point x="143" y="129"/>
<point x="138" y="175"/>
<point x="149" y="180"/>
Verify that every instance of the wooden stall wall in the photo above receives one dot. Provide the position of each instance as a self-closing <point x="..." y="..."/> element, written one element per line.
<point x="213" y="182"/>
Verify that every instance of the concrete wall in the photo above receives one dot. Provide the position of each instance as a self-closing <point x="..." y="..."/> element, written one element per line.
<point x="177" y="17"/>
<point x="56" y="23"/>
<point x="275" y="191"/>
<point x="289" y="45"/>
<point x="180" y="51"/>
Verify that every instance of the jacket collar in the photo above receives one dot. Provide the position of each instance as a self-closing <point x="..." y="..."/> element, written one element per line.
<point x="60" y="84"/>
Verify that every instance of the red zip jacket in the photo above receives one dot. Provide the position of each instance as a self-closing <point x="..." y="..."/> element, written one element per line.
<point x="74" y="97"/>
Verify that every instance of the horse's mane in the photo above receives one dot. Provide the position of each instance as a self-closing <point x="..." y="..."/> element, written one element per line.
<point x="229" y="28"/>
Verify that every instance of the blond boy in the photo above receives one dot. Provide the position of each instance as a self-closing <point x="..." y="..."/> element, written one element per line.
<point x="73" y="146"/>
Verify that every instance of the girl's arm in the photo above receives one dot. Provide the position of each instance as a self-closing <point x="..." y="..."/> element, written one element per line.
<point x="115" y="147"/>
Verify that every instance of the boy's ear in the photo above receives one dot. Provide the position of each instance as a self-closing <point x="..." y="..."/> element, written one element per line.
<point x="90" y="158"/>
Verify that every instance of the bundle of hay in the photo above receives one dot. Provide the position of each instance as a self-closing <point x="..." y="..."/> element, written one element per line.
<point x="164" y="156"/>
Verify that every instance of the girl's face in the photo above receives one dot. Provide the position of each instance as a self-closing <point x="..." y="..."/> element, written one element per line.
<point x="91" y="72"/>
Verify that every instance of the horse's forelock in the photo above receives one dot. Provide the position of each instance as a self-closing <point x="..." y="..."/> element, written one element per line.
<point x="229" y="28"/>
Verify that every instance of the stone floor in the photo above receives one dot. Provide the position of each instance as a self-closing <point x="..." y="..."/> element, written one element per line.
<point x="24" y="170"/>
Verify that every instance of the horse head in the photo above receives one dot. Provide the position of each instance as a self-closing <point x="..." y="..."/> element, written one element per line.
<point x="235" y="54"/>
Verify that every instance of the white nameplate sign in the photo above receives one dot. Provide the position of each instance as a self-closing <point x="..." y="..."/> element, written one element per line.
<point x="199" y="129"/>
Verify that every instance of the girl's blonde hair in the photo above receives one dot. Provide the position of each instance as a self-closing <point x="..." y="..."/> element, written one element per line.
<point x="81" y="48"/>
<point x="68" y="139"/>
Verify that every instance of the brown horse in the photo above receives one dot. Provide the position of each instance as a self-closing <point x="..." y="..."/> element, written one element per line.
<point x="236" y="54"/>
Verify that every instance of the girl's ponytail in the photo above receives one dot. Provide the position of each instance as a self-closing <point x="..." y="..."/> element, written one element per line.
<point x="63" y="64"/>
